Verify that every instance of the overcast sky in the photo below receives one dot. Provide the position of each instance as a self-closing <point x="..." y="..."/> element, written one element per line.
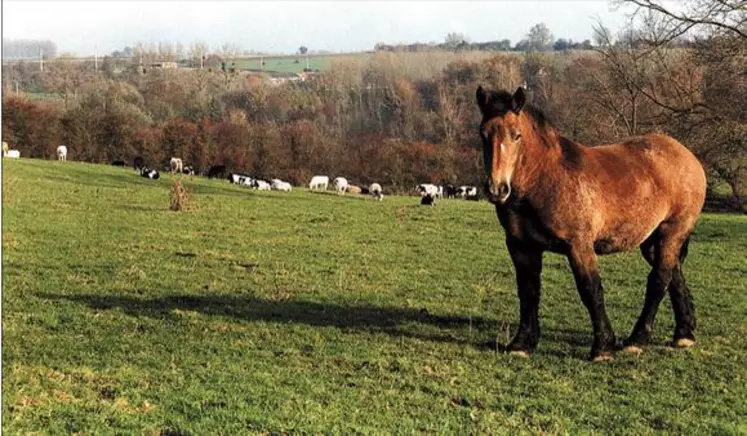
<point x="82" y="27"/>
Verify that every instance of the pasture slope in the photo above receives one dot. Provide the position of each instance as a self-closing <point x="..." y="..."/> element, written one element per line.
<point x="308" y="312"/>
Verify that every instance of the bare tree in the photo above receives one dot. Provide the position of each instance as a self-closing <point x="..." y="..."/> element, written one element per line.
<point x="729" y="16"/>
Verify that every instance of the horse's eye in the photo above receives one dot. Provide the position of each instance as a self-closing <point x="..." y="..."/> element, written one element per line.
<point x="517" y="136"/>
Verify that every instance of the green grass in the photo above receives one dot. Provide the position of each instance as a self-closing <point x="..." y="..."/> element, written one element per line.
<point x="287" y="64"/>
<point x="306" y="312"/>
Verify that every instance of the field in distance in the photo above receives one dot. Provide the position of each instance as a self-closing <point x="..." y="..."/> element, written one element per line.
<point x="308" y="312"/>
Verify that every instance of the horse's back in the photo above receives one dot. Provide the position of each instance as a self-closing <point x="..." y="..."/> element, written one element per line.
<point x="676" y="169"/>
<point x="642" y="182"/>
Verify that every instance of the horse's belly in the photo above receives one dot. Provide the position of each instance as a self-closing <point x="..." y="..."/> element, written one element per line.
<point x="624" y="239"/>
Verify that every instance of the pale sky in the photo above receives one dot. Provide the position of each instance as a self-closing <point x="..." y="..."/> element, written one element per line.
<point x="82" y="27"/>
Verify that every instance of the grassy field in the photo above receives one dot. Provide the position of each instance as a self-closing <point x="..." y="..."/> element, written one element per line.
<point x="308" y="312"/>
<point x="287" y="64"/>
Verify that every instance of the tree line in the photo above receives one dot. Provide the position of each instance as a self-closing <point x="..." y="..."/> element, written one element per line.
<point x="398" y="118"/>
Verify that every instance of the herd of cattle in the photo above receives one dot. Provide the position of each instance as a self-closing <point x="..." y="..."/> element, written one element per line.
<point x="428" y="192"/>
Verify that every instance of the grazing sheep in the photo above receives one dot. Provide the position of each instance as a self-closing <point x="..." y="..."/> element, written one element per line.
<point x="319" y="182"/>
<point x="353" y="189"/>
<point x="176" y="165"/>
<point x="341" y="185"/>
<point x="376" y="192"/>
<point x="13" y="154"/>
<point x="62" y="153"/>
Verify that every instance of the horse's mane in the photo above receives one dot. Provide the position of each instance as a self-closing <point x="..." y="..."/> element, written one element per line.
<point x="498" y="103"/>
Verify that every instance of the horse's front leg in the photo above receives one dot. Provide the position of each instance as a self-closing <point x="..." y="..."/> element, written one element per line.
<point x="528" y="264"/>
<point x="583" y="262"/>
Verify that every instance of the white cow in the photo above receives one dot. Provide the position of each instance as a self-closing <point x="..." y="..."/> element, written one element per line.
<point x="465" y="191"/>
<point x="319" y="182"/>
<point x="428" y="189"/>
<point x="341" y="185"/>
<point x="13" y="154"/>
<point x="240" y="179"/>
<point x="62" y="153"/>
<point x="176" y="165"/>
<point x="261" y="185"/>
<point x="279" y="185"/>
<point x="375" y="191"/>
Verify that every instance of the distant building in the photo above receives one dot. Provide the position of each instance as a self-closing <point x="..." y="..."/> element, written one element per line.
<point x="165" y="65"/>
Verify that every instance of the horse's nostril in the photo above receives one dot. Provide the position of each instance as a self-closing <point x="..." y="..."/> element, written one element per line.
<point x="503" y="190"/>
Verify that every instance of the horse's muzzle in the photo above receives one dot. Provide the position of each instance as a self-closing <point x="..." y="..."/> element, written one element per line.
<point x="499" y="195"/>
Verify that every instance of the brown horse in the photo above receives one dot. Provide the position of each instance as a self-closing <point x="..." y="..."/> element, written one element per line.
<point x="551" y="194"/>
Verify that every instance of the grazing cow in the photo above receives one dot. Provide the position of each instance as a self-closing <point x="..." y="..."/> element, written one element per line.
<point x="188" y="170"/>
<point x="319" y="182"/>
<point x="465" y="191"/>
<point x="376" y="192"/>
<point x="62" y="153"/>
<point x="261" y="185"/>
<point x="237" y="178"/>
<point x="450" y="191"/>
<point x="118" y="163"/>
<point x="13" y="154"/>
<point x="427" y="189"/>
<point x="279" y="185"/>
<point x="218" y="171"/>
<point x="5" y="148"/>
<point x="341" y="185"/>
<point x="176" y="165"/>
<point x="138" y="163"/>
<point x="428" y="200"/>
<point x="353" y="189"/>
<point x="149" y="173"/>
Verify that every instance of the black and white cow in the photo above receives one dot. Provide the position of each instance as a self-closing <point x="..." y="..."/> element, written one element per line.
<point x="149" y="173"/>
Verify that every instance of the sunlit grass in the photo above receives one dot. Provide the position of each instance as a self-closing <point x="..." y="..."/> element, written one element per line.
<point x="305" y="312"/>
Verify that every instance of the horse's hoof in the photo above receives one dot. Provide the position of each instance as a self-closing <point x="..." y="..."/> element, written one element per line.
<point x="603" y="357"/>
<point x="684" y="343"/>
<point x="633" y="349"/>
<point x="519" y="353"/>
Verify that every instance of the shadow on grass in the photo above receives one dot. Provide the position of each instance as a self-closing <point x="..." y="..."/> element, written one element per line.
<point x="395" y="321"/>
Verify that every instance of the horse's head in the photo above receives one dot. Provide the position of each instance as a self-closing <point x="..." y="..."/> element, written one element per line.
<point x="500" y="131"/>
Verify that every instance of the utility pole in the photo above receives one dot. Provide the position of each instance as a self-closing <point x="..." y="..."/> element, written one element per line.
<point x="95" y="60"/>
<point x="307" y="62"/>
<point x="41" y="60"/>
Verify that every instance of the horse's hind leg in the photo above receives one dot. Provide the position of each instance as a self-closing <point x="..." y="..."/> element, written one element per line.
<point x="662" y="250"/>
<point x="682" y="304"/>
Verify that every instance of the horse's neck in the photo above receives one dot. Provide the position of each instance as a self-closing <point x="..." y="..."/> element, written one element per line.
<point x="547" y="161"/>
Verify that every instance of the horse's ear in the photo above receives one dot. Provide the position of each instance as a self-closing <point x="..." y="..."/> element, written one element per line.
<point x="482" y="97"/>
<point x="518" y="100"/>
